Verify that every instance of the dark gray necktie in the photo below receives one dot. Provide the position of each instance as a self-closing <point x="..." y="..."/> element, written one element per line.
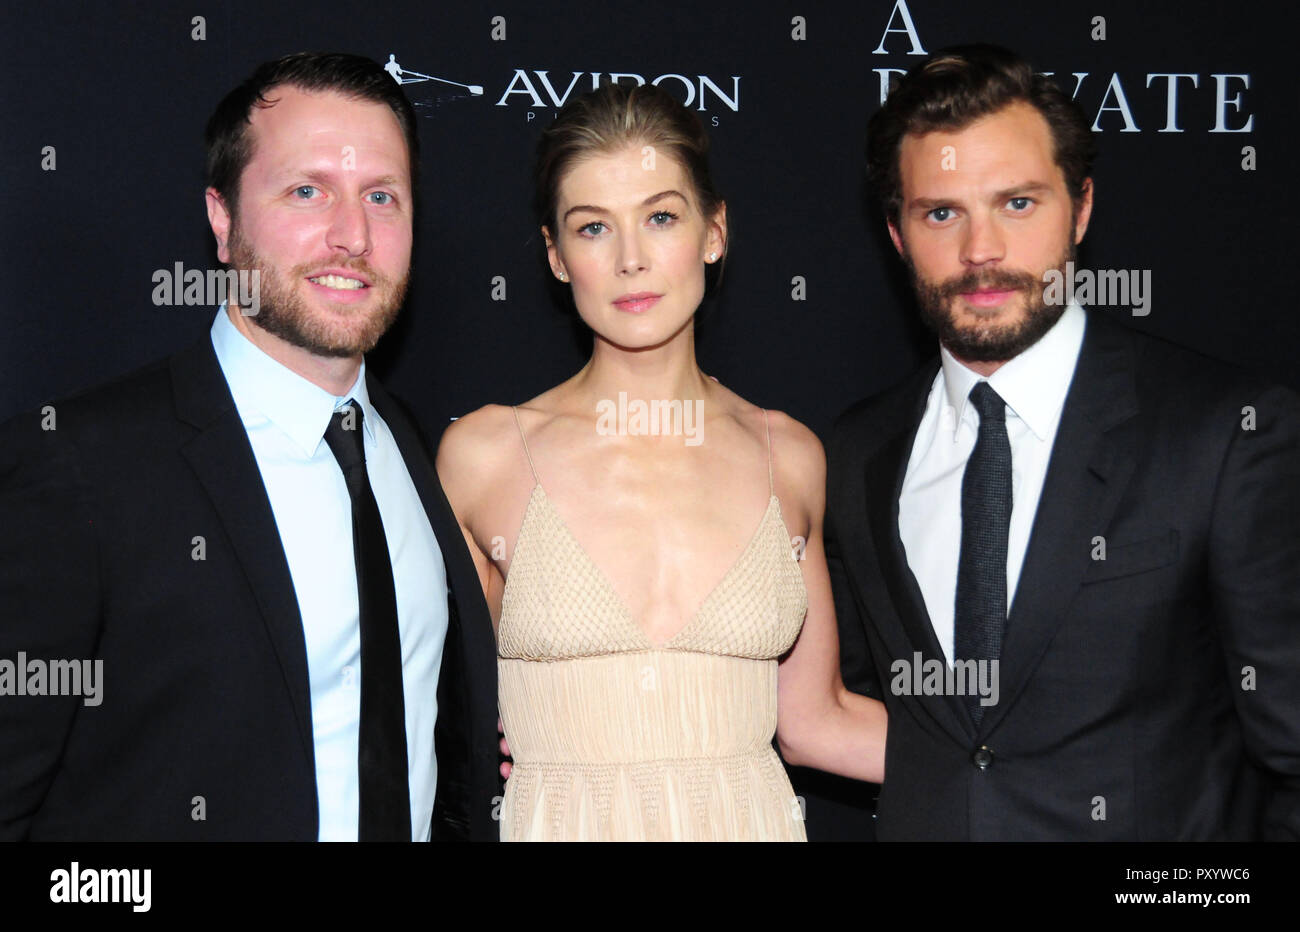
<point x="381" y="761"/>
<point x="981" y="608"/>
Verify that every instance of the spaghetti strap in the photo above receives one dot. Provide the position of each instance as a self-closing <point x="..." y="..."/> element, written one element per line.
<point x="525" y="442"/>
<point x="771" y="487"/>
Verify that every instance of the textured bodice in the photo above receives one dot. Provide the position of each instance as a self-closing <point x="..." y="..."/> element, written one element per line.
<point x="614" y="737"/>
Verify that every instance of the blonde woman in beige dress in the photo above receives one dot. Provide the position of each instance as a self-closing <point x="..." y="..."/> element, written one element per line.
<point x="658" y="586"/>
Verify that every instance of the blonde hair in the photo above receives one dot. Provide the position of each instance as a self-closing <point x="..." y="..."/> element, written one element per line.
<point x="610" y="118"/>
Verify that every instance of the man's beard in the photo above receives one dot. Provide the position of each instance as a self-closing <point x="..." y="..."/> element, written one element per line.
<point x="283" y="313"/>
<point x="989" y="342"/>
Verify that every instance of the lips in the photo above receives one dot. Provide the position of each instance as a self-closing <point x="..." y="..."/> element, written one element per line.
<point x="638" y="302"/>
<point x="339" y="280"/>
<point x="340" y="287"/>
<point x="988" y="298"/>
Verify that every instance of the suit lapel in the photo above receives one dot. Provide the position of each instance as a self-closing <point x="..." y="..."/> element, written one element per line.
<point x="884" y="476"/>
<point x="223" y="460"/>
<point x="885" y="470"/>
<point x="461" y="574"/>
<point x="1086" y="477"/>
<point x="467" y="685"/>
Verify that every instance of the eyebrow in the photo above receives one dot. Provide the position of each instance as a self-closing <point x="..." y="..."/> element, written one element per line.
<point x="652" y="199"/>
<point x="325" y="177"/>
<point x="1019" y="190"/>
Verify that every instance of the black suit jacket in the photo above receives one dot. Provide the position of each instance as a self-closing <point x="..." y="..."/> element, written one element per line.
<point x="1154" y="694"/>
<point x="205" y="683"/>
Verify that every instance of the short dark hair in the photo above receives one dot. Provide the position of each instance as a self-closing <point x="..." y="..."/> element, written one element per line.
<point x="956" y="86"/>
<point x="229" y="147"/>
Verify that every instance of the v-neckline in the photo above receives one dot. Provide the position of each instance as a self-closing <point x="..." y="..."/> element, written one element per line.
<point x="605" y="582"/>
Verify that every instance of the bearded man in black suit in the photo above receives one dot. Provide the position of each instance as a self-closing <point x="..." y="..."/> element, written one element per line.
<point x="249" y="539"/>
<point x="1065" y="554"/>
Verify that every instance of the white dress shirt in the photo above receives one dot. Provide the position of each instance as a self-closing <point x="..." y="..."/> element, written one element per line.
<point x="1034" y="386"/>
<point x="286" y="416"/>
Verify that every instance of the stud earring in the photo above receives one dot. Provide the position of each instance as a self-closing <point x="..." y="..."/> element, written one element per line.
<point x="564" y="276"/>
<point x="713" y="257"/>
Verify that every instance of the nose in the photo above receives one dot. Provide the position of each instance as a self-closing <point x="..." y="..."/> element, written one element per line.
<point x="349" y="228"/>
<point x="631" y="254"/>
<point x="983" y="241"/>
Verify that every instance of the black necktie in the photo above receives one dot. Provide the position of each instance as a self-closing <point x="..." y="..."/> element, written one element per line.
<point x="381" y="761"/>
<point x="981" y="610"/>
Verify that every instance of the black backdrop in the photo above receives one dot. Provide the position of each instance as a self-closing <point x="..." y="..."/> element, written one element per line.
<point x="121" y="92"/>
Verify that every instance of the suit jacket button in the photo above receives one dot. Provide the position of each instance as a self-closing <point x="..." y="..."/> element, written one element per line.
<point x="983" y="757"/>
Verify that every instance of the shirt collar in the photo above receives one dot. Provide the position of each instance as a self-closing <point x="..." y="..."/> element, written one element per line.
<point x="1033" y="384"/>
<point x="263" y="386"/>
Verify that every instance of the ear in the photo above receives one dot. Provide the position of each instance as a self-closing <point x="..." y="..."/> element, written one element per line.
<point x="219" y="220"/>
<point x="1085" y="212"/>
<point x="717" y="232"/>
<point x="895" y="236"/>
<point x="553" y="254"/>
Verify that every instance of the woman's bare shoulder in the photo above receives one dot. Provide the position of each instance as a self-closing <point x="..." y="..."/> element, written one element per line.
<point x="481" y="428"/>
<point x="475" y="450"/>
<point x="798" y="460"/>
<point x="799" y="440"/>
<point x="795" y="448"/>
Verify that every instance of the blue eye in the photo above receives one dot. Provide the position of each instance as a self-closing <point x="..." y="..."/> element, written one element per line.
<point x="587" y="229"/>
<point x="1022" y="202"/>
<point x="668" y="216"/>
<point x="306" y="187"/>
<point x="934" y="214"/>
<point x="382" y="194"/>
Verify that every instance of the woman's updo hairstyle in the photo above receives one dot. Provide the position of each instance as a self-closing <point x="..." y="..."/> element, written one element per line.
<point x="611" y="118"/>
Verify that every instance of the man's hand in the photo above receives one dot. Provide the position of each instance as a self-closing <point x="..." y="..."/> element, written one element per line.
<point x="505" y="749"/>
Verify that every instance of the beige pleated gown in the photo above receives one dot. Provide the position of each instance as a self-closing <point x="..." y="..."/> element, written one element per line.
<point x="618" y="739"/>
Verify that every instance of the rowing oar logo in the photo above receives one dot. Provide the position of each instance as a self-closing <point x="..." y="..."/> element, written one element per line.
<point x="403" y="76"/>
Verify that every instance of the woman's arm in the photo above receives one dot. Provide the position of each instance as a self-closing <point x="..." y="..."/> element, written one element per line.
<point x="820" y="723"/>
<point x="462" y="463"/>
<point x="465" y="466"/>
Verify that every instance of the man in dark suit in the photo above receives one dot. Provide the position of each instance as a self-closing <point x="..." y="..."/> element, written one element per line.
<point x="248" y="539"/>
<point x="1065" y="554"/>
